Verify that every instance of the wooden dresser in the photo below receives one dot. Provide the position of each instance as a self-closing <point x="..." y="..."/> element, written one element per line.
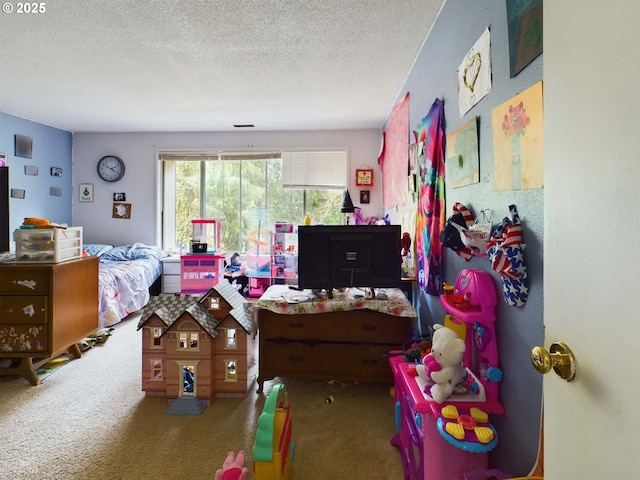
<point x="45" y="309"/>
<point x="330" y="339"/>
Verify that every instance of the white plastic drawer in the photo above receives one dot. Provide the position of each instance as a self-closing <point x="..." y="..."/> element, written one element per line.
<point x="171" y="268"/>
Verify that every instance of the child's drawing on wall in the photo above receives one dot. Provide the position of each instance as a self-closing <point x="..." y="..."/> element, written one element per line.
<point x="518" y="141"/>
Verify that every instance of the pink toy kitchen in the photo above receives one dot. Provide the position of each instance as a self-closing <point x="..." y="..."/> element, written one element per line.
<point x="442" y="441"/>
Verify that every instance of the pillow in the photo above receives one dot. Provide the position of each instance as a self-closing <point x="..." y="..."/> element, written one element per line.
<point x="96" y="249"/>
<point x="134" y="251"/>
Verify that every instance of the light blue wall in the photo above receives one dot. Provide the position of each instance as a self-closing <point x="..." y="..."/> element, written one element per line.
<point x="52" y="147"/>
<point x="434" y="75"/>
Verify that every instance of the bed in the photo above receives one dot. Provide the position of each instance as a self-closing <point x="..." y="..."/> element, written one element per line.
<point x="127" y="277"/>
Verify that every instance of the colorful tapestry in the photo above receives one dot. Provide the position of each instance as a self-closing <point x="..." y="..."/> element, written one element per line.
<point x="430" y="137"/>
<point x="394" y="157"/>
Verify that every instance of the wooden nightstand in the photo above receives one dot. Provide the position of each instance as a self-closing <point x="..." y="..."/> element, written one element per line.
<point x="171" y="274"/>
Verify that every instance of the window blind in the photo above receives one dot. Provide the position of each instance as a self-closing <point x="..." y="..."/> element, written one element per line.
<point x="314" y="169"/>
<point x="215" y="156"/>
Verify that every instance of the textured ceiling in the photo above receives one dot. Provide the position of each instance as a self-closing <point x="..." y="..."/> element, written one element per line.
<point x="187" y="65"/>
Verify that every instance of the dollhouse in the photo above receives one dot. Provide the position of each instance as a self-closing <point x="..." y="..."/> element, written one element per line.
<point x="198" y="347"/>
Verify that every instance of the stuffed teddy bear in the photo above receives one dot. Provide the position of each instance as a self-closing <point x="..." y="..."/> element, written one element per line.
<point x="442" y="368"/>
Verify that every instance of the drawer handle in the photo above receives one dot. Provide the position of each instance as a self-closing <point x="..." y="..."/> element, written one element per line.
<point x="296" y="324"/>
<point x="370" y="327"/>
<point x="293" y="358"/>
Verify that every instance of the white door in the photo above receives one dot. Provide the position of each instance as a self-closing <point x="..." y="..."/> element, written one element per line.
<point x="592" y="236"/>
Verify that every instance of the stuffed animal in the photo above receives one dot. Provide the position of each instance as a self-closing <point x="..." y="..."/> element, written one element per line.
<point x="103" y="334"/>
<point x="442" y="368"/>
<point x="86" y="343"/>
<point x="233" y="467"/>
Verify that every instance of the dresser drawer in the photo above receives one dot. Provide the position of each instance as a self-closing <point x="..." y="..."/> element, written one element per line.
<point x="170" y="283"/>
<point x="23" y="309"/>
<point x="22" y="339"/>
<point x="356" y="326"/>
<point x="325" y="361"/>
<point x="24" y="280"/>
<point x="171" y="268"/>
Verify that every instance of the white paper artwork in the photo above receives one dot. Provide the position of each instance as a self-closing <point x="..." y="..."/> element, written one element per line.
<point x="474" y="74"/>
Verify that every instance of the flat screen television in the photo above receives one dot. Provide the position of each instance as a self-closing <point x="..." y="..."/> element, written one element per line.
<point x="340" y="256"/>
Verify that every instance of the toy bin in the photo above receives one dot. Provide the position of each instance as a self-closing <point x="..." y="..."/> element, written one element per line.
<point x="48" y="245"/>
<point x="273" y="449"/>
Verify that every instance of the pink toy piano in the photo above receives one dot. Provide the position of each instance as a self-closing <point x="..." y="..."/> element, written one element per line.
<point x="445" y="441"/>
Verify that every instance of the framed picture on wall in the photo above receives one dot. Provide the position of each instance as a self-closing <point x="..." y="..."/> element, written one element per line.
<point x="23" y="146"/>
<point x="121" y="210"/>
<point x="365" y="196"/>
<point x="86" y="192"/>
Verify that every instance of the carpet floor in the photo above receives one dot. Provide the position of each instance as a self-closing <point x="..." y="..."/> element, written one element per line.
<point x="91" y="420"/>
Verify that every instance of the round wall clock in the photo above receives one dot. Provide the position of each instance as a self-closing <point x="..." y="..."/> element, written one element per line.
<point x="110" y="168"/>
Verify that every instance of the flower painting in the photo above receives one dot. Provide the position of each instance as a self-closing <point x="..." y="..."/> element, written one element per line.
<point x="518" y="141"/>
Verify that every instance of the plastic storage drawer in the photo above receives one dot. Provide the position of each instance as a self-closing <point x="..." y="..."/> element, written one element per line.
<point x="48" y="245"/>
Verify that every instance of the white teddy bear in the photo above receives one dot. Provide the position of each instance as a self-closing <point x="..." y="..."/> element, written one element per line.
<point x="442" y="367"/>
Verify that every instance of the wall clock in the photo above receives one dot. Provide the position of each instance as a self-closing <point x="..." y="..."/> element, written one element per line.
<point x="364" y="177"/>
<point x="110" y="168"/>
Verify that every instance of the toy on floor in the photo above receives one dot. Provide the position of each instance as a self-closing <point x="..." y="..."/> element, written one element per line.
<point x="86" y="343"/>
<point x="233" y="468"/>
<point x="273" y="449"/>
<point x="442" y="368"/>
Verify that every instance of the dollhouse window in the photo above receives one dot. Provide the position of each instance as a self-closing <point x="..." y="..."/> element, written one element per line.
<point x="156" y="341"/>
<point x="188" y="340"/>
<point x="230" y="338"/>
<point x="231" y="371"/>
<point x="214" y="303"/>
<point x="156" y="369"/>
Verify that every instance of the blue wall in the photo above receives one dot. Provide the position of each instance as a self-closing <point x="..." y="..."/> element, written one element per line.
<point x="52" y="147"/>
<point x="434" y="75"/>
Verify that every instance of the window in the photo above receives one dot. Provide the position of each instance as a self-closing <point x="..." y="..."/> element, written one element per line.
<point x="156" y="370"/>
<point x="156" y="340"/>
<point x="231" y="371"/>
<point x="188" y="340"/>
<point x="214" y="303"/>
<point x="250" y="191"/>
<point x="230" y="338"/>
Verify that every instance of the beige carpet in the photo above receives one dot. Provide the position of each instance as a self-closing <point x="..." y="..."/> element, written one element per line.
<point x="91" y="420"/>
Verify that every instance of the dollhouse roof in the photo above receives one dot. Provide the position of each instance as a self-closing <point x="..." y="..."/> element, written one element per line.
<point x="168" y="308"/>
<point x="237" y="302"/>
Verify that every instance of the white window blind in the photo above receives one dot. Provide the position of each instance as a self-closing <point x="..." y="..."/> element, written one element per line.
<point x="314" y="169"/>
<point x="215" y="156"/>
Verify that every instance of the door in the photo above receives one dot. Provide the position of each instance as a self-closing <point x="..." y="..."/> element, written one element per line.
<point x="591" y="258"/>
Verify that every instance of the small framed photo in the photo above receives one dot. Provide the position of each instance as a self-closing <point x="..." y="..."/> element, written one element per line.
<point x="18" y="193"/>
<point x="119" y="197"/>
<point x="56" y="172"/>
<point x="55" y="191"/>
<point x="121" y="210"/>
<point x="30" y="170"/>
<point x="365" y="196"/>
<point x="86" y="192"/>
<point x="23" y="146"/>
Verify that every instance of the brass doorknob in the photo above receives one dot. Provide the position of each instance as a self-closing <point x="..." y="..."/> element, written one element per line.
<point x="559" y="357"/>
